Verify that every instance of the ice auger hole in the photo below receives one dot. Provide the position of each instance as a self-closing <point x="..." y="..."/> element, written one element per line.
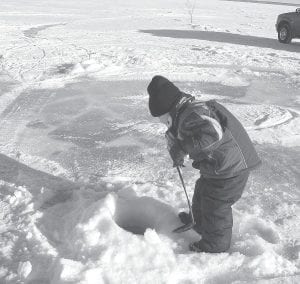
<point x="138" y="214"/>
<point x="131" y="217"/>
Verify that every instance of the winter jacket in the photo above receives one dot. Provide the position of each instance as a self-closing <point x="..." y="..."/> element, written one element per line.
<point x="214" y="139"/>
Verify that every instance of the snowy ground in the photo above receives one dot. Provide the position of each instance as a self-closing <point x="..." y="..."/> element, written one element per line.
<point x="87" y="191"/>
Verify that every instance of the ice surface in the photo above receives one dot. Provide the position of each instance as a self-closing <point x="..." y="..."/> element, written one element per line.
<point x="87" y="191"/>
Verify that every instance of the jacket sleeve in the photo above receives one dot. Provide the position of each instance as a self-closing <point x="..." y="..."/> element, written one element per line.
<point x="199" y="133"/>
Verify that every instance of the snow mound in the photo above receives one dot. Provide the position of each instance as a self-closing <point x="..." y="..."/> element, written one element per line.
<point x="117" y="214"/>
<point x="98" y="236"/>
<point x="269" y="123"/>
<point x="229" y="78"/>
<point x="86" y="67"/>
<point x="97" y="239"/>
<point x="255" y="117"/>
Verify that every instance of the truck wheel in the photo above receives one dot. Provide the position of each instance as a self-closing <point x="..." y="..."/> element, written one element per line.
<point x="284" y="34"/>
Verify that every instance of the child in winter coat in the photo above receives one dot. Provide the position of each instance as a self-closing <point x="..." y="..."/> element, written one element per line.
<point x="219" y="147"/>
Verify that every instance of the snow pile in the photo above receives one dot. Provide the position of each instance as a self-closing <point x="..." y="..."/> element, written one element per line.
<point x="86" y="67"/>
<point x="269" y="123"/>
<point x="20" y="237"/>
<point x="95" y="237"/>
<point x="99" y="238"/>
<point x="228" y="78"/>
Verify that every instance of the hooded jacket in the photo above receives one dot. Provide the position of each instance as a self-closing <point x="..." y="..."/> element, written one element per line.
<point x="214" y="139"/>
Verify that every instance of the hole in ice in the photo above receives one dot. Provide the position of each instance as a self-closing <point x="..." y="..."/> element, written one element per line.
<point x="138" y="214"/>
<point x="138" y="229"/>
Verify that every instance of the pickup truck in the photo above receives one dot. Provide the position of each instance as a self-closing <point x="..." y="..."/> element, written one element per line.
<point x="288" y="26"/>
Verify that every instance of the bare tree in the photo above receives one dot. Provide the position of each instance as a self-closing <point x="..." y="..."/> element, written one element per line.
<point x="190" y="6"/>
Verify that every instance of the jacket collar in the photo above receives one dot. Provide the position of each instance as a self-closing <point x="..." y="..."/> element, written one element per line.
<point x="177" y="109"/>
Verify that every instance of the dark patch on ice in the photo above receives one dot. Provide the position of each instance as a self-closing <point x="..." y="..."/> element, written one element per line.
<point x="213" y="88"/>
<point x="56" y="153"/>
<point x="6" y="83"/>
<point x="261" y="120"/>
<point x="28" y="103"/>
<point x="64" y="68"/>
<point x="238" y="68"/>
<point x="265" y="2"/>
<point x="37" y="124"/>
<point x="65" y="107"/>
<point x="86" y="129"/>
<point x="264" y="90"/>
<point x="271" y="91"/>
<point x="5" y="87"/>
<point x="225" y="37"/>
<point x="32" y="32"/>
<point x="17" y="173"/>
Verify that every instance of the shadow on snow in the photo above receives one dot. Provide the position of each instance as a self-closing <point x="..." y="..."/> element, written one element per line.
<point x="223" y="37"/>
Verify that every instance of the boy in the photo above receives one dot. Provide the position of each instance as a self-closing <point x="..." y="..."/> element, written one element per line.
<point x="219" y="147"/>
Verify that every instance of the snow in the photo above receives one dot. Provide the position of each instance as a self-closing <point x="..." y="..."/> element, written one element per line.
<point x="87" y="191"/>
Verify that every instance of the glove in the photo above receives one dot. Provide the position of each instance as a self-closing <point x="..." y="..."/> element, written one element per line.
<point x="175" y="150"/>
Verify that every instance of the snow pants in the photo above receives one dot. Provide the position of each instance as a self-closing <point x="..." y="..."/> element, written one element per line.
<point x="212" y="210"/>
